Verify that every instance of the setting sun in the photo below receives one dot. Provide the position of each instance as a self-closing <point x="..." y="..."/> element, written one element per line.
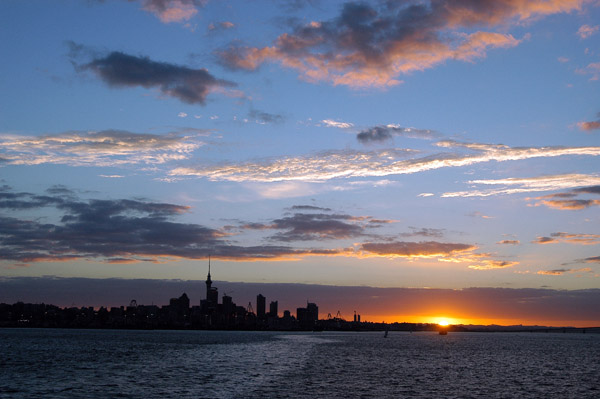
<point x="443" y="322"/>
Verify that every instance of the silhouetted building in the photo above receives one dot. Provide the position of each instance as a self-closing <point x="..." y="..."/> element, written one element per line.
<point x="212" y="295"/>
<point x="260" y="306"/>
<point x="273" y="309"/>
<point x="308" y="316"/>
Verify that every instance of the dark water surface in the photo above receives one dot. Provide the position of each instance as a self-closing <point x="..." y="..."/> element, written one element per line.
<point x="48" y="363"/>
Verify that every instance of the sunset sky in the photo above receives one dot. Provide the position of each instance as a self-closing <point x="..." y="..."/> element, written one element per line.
<point x="442" y="154"/>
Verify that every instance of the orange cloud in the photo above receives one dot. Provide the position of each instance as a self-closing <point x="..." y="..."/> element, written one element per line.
<point x="593" y="125"/>
<point x="423" y="249"/>
<point x="369" y="47"/>
<point x="571" y="205"/>
<point x="509" y="242"/>
<point x="172" y="10"/>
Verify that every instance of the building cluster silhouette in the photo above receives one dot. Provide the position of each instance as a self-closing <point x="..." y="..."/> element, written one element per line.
<point x="178" y="314"/>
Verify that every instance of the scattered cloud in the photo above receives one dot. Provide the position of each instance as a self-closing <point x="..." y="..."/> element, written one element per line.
<point x="339" y="125"/>
<point x="560" y="272"/>
<point x="387" y="132"/>
<point x="593" y="259"/>
<point x="478" y="214"/>
<point x="366" y="46"/>
<point x="592" y="69"/>
<point x="425" y="232"/>
<point x="264" y="118"/>
<point x="568" y="201"/>
<point x="509" y="242"/>
<point x="182" y="115"/>
<point x="515" y="185"/>
<point x="570" y="205"/>
<point x="426" y="195"/>
<point x="563" y="59"/>
<point x="591" y="125"/>
<point x="544" y="240"/>
<point x="581" y="239"/>
<point x="490" y="264"/>
<point x="309" y="208"/>
<point x="172" y="10"/>
<point x="423" y="249"/>
<point x="103" y="148"/>
<point x="351" y="163"/>
<point x="118" y="69"/>
<point x="220" y="26"/>
<point x="586" y="31"/>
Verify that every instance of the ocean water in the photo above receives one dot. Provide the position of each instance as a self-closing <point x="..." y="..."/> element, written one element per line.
<point x="49" y="363"/>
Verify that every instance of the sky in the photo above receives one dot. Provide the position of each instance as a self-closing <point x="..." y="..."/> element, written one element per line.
<point x="441" y="155"/>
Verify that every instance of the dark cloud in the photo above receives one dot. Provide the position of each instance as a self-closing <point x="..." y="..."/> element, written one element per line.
<point x="123" y="230"/>
<point x="588" y="190"/>
<point x="371" y="45"/>
<point x="314" y="226"/>
<point x="509" y="242"/>
<point x="416" y="249"/>
<point x="264" y="117"/>
<point x="593" y="259"/>
<point x="571" y="204"/>
<point x="544" y="240"/>
<point x="387" y="132"/>
<point x="425" y="232"/>
<point x="189" y="85"/>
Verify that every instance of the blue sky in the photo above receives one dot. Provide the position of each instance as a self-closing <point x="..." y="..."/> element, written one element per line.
<point x="389" y="144"/>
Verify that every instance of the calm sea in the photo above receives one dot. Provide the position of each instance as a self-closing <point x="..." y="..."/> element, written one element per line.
<point x="48" y="363"/>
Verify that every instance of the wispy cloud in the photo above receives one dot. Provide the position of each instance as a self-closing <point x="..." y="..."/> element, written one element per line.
<point x="172" y="10"/>
<point x="586" y="31"/>
<point x="570" y="238"/>
<point x="592" y="69"/>
<point x="220" y="26"/>
<point x="368" y="46"/>
<point x="515" y="185"/>
<point x="560" y="272"/>
<point x="103" y="148"/>
<point x="264" y="118"/>
<point x="592" y="259"/>
<point x="423" y="249"/>
<point x="339" y="125"/>
<point x="350" y="163"/>
<point x="118" y="69"/>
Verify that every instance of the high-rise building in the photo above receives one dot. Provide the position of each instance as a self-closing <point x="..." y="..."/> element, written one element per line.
<point x="260" y="306"/>
<point x="273" y="309"/>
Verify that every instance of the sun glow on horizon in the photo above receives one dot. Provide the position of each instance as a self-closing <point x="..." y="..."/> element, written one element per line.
<point x="443" y="322"/>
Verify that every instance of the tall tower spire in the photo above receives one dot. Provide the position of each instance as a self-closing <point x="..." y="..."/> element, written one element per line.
<point x="208" y="281"/>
